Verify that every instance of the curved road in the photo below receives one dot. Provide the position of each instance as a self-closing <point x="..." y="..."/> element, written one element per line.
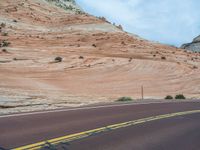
<point x="178" y="132"/>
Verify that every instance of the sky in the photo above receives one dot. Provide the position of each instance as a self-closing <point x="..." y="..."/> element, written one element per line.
<point x="172" y="22"/>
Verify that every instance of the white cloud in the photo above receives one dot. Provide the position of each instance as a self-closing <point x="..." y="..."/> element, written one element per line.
<point x="167" y="21"/>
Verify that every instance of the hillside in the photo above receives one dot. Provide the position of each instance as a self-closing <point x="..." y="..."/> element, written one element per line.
<point x="100" y="62"/>
<point x="193" y="46"/>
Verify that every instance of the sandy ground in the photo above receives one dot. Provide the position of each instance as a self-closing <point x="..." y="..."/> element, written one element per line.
<point x="100" y="62"/>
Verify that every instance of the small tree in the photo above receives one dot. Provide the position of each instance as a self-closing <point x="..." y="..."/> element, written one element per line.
<point x="180" y="96"/>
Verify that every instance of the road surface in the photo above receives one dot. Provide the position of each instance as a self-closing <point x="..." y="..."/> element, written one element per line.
<point x="178" y="132"/>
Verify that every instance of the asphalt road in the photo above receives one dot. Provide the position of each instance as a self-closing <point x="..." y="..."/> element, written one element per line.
<point x="179" y="133"/>
<point x="182" y="132"/>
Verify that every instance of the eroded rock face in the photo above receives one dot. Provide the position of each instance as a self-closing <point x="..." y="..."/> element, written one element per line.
<point x="193" y="46"/>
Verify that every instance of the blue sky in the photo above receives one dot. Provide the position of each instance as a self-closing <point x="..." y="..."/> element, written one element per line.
<point x="171" y="22"/>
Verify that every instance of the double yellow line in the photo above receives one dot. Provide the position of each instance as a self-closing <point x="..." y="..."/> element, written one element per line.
<point x="88" y="133"/>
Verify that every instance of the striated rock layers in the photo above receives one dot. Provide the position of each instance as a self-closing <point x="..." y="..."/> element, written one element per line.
<point x="54" y="55"/>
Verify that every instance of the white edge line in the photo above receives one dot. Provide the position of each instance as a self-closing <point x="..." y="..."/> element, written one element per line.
<point x="87" y="108"/>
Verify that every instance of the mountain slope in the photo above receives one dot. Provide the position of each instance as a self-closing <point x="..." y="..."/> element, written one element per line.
<point x="100" y="62"/>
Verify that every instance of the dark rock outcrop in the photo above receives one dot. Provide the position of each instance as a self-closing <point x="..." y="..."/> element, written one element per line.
<point x="193" y="46"/>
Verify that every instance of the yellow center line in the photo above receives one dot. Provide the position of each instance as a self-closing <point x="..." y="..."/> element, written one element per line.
<point x="88" y="133"/>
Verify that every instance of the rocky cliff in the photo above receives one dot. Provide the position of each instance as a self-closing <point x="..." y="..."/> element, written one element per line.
<point x="54" y="55"/>
<point x="193" y="46"/>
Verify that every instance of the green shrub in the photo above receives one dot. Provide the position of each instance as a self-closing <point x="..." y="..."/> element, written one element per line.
<point x="180" y="96"/>
<point x="169" y="97"/>
<point x="124" y="99"/>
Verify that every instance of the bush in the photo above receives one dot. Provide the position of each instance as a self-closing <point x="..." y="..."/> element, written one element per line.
<point x="124" y="99"/>
<point x="103" y="18"/>
<point x="180" y="96"/>
<point x="94" y="45"/>
<point x="163" y="58"/>
<point x="169" y="97"/>
<point x="130" y="59"/>
<point x="4" y="50"/>
<point x="81" y="57"/>
<point x="58" y="59"/>
<point x="4" y="34"/>
<point x="3" y="25"/>
<point x="195" y="67"/>
<point x="4" y="43"/>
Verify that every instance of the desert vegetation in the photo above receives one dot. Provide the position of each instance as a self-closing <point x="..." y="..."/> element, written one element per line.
<point x="163" y="58"/>
<point x="4" y="43"/>
<point x="169" y="97"/>
<point x="4" y="50"/>
<point x="180" y="96"/>
<point x="2" y="25"/>
<point x="94" y="45"/>
<point x="195" y="67"/>
<point x="58" y="59"/>
<point x="125" y="99"/>
<point x="81" y="57"/>
<point x="4" y="34"/>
